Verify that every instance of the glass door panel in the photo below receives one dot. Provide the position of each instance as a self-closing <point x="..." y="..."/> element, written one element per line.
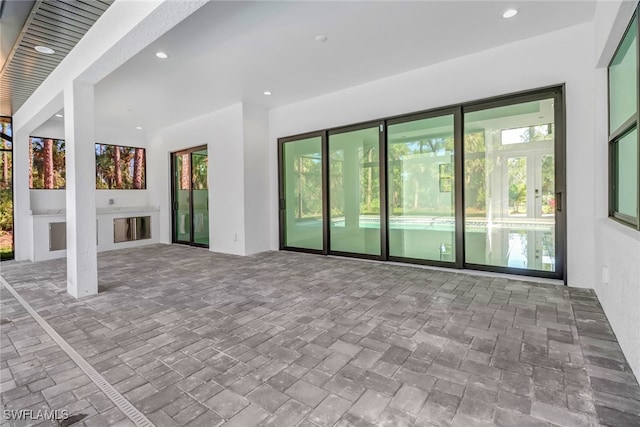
<point x="509" y="186"/>
<point x="191" y="197"/>
<point x="302" y="168"/>
<point x="182" y="198"/>
<point x="421" y="190"/>
<point x="200" y="190"/>
<point x="354" y="191"/>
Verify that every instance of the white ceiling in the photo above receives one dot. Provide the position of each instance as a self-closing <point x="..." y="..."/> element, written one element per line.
<point x="228" y="52"/>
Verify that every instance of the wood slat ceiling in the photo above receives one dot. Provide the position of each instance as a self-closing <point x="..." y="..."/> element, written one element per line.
<point x="58" y="24"/>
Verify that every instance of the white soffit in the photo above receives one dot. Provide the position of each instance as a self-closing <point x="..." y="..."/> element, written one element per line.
<point x="229" y="52"/>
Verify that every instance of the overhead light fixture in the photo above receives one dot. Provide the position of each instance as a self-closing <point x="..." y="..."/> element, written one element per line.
<point x="139" y="127"/>
<point x="162" y="55"/>
<point x="509" y="13"/>
<point x="321" y="39"/>
<point x="59" y="115"/>
<point x="45" y="50"/>
<point x="266" y="92"/>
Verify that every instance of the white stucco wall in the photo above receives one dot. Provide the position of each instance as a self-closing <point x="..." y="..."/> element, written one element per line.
<point x="617" y="247"/>
<point x="555" y="58"/>
<point x="222" y="132"/>
<point x="236" y="138"/>
<point x="256" y="178"/>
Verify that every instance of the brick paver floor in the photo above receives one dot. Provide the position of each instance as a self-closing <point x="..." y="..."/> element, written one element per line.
<point x="287" y="339"/>
<point x="37" y="375"/>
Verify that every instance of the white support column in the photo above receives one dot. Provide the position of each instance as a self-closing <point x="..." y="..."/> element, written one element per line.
<point x="79" y="123"/>
<point x="23" y="226"/>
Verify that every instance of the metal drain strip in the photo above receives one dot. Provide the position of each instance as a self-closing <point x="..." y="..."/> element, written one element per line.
<point x="121" y="402"/>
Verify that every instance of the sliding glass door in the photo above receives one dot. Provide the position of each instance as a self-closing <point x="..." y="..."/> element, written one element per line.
<point x="476" y="186"/>
<point x="511" y="202"/>
<point x="421" y="188"/>
<point x="355" y="198"/>
<point x="301" y="193"/>
<point x="190" y="197"/>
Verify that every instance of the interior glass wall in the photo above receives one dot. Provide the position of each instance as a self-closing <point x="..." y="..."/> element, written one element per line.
<point x="302" y="163"/>
<point x="421" y="189"/>
<point x="509" y="186"/>
<point x="354" y="191"/>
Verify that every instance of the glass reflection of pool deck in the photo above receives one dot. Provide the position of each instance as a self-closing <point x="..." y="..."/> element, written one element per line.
<point x="441" y="223"/>
<point x="516" y="230"/>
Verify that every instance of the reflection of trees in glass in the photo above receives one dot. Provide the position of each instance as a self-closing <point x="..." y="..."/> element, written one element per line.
<point x="548" y="184"/>
<point x="119" y="167"/>
<point x="47" y="163"/>
<point x="475" y="172"/>
<point x="369" y="180"/>
<point x="414" y="175"/>
<point x="199" y="164"/>
<point x="336" y="182"/>
<point x="517" y="167"/>
<point x="307" y="170"/>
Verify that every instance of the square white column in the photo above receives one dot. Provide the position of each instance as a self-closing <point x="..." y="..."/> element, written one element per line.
<point x="22" y="225"/>
<point x="79" y="123"/>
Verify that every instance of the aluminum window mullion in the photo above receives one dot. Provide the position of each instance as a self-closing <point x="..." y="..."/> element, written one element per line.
<point x="633" y="122"/>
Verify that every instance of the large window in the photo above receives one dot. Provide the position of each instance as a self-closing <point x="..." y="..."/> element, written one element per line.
<point x="6" y="189"/>
<point x="479" y="185"/>
<point x="624" y="158"/>
<point x="47" y="163"/>
<point x="119" y="167"/>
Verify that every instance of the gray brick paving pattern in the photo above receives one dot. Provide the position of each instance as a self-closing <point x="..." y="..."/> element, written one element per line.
<point x="283" y="339"/>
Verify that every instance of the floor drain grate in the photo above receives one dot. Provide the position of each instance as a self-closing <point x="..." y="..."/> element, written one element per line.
<point x="123" y="404"/>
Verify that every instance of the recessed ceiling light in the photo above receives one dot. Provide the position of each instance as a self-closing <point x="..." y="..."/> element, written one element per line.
<point x="162" y="55"/>
<point x="139" y="127"/>
<point x="59" y="115"/>
<point x="321" y="38"/>
<point x="45" y="50"/>
<point x="266" y="92"/>
<point x="510" y="13"/>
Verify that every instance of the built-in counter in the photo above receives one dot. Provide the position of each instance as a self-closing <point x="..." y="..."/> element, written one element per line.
<point x="117" y="228"/>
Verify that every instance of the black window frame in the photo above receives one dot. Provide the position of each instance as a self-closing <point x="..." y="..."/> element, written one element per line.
<point x="557" y="92"/>
<point x="31" y="153"/>
<point x="616" y="135"/>
<point x="144" y="166"/>
<point x="9" y="138"/>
